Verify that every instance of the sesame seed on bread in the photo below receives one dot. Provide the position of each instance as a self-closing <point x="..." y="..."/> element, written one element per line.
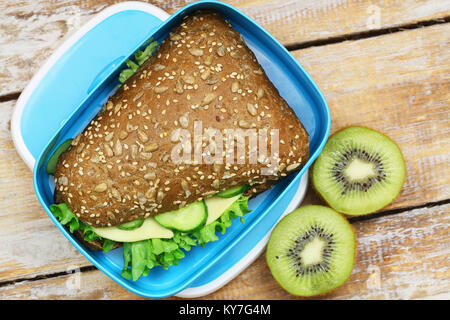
<point x="120" y="168"/>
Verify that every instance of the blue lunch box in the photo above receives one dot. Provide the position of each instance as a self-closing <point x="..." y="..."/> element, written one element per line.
<point x="72" y="91"/>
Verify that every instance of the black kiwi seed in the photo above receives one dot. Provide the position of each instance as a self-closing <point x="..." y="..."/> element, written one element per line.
<point x="299" y="246"/>
<point x="364" y="185"/>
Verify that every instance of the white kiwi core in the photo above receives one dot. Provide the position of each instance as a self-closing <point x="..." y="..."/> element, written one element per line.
<point x="358" y="170"/>
<point x="312" y="252"/>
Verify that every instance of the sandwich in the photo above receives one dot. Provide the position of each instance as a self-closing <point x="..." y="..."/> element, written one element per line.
<point x="194" y="130"/>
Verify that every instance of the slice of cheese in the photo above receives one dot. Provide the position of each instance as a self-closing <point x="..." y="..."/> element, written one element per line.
<point x="149" y="229"/>
<point x="217" y="206"/>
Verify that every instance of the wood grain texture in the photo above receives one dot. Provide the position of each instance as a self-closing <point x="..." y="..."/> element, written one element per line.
<point x="398" y="84"/>
<point x="402" y="256"/>
<point x="31" y="244"/>
<point x="392" y="99"/>
<point x="31" y="30"/>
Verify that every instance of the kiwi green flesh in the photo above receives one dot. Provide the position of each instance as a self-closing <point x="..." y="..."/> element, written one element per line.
<point x="359" y="171"/>
<point x="311" y="251"/>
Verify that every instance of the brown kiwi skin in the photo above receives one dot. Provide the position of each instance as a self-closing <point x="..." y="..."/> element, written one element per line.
<point x="349" y="215"/>
<point x="321" y="295"/>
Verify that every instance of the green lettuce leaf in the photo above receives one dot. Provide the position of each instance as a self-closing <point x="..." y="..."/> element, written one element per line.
<point x="139" y="58"/>
<point x="67" y="218"/>
<point x="142" y="56"/>
<point x="167" y="252"/>
<point x="126" y="273"/>
<point x="108" y="245"/>
<point x="141" y="256"/>
<point x="208" y="233"/>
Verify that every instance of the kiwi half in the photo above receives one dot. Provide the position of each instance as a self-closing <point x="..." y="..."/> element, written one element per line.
<point x="311" y="251"/>
<point x="359" y="171"/>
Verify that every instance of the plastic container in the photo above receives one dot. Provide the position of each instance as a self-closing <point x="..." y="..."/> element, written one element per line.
<point x="71" y="91"/>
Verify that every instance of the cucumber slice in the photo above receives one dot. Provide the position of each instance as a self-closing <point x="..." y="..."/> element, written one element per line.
<point x="188" y="218"/>
<point x="217" y="206"/>
<point x="131" y="225"/>
<point x="51" y="164"/>
<point x="150" y="229"/>
<point x="234" y="191"/>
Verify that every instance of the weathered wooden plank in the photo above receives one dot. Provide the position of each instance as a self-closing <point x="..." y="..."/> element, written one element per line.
<point x="30" y="243"/>
<point x="403" y="256"/>
<point x="31" y="30"/>
<point x="408" y="74"/>
<point x="398" y="84"/>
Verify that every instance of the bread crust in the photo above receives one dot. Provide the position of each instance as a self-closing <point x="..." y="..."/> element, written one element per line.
<point x="121" y="166"/>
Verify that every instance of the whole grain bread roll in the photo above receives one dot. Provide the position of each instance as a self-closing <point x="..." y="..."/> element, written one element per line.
<point x="124" y="165"/>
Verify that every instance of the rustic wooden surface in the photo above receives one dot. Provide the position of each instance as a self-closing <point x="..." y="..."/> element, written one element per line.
<point x="383" y="65"/>
<point x="386" y="263"/>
